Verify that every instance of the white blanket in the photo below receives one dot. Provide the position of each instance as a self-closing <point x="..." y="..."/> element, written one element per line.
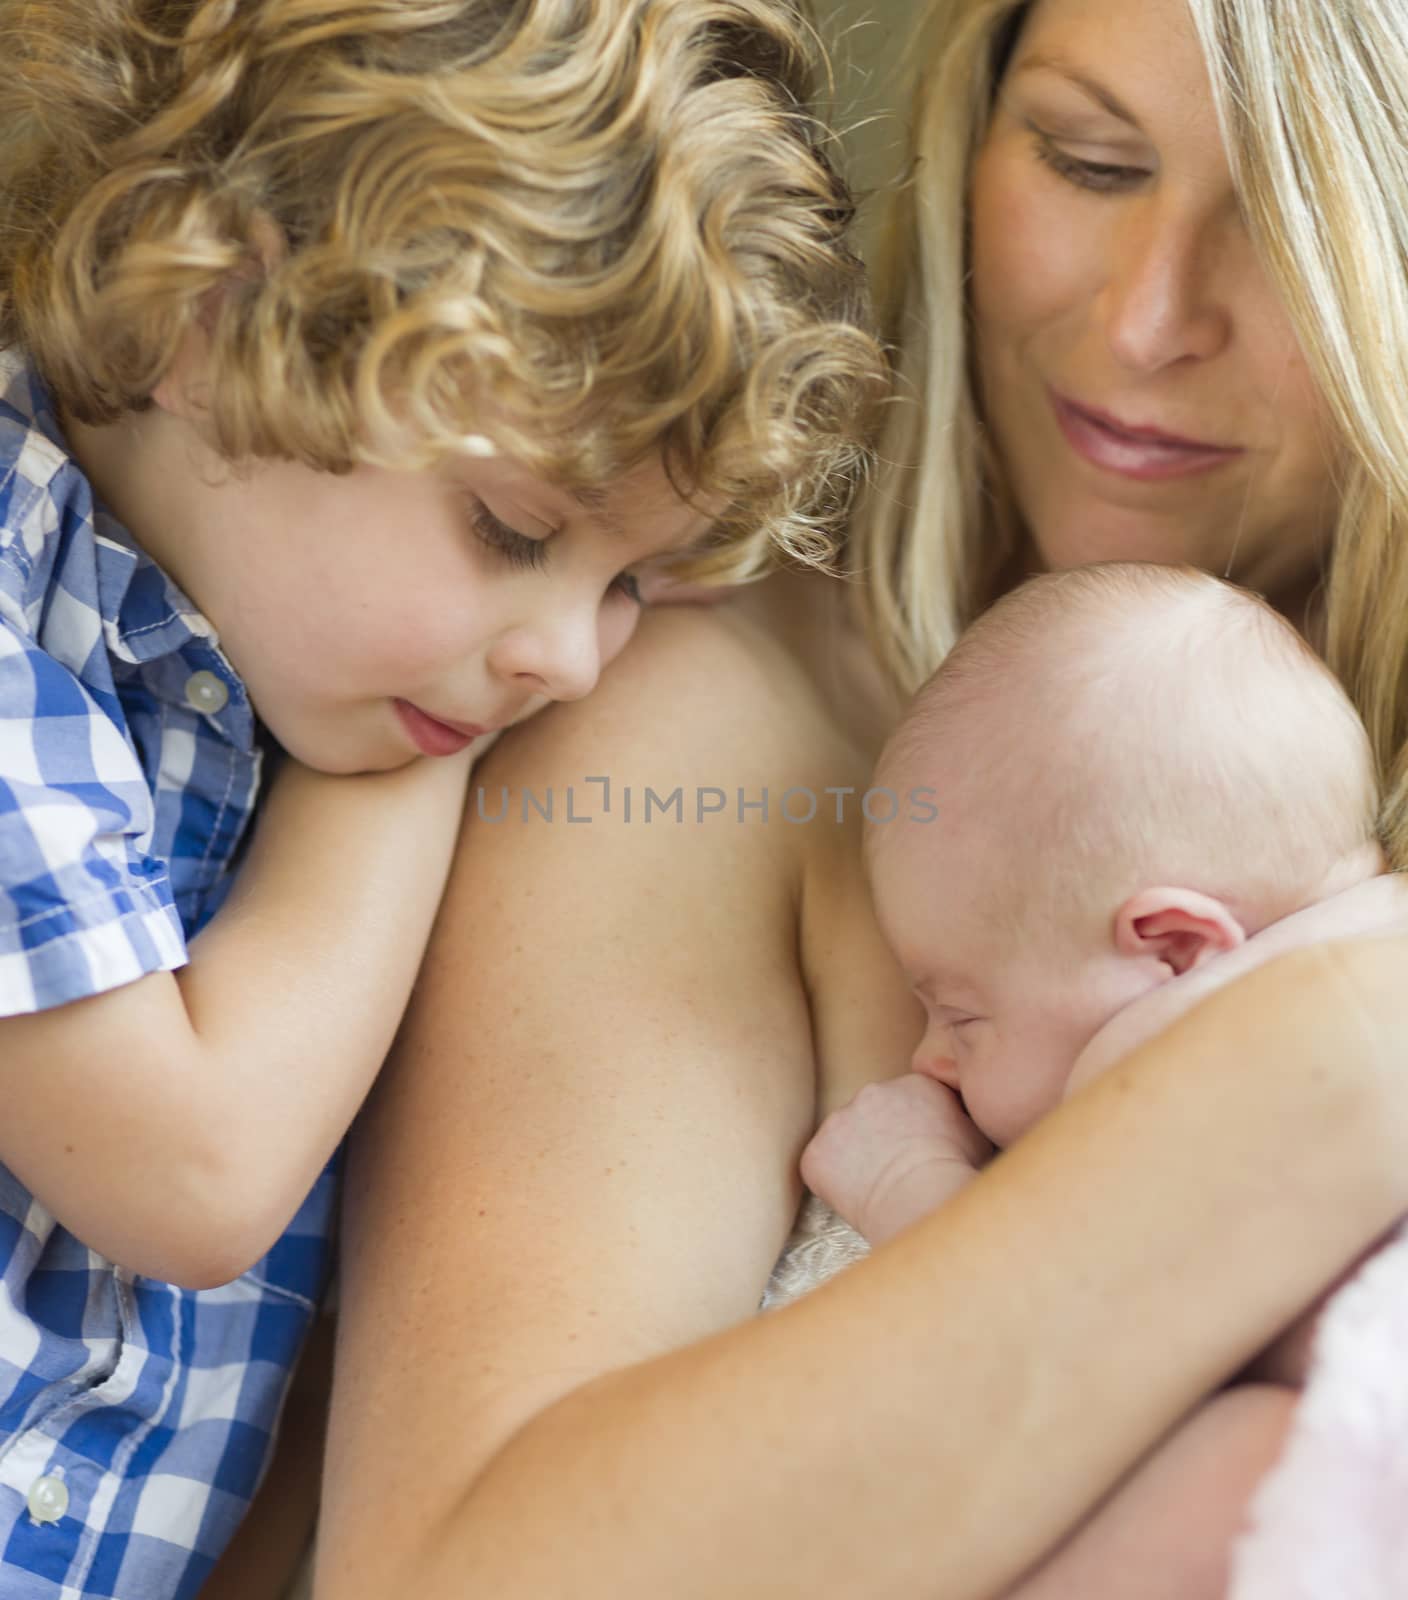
<point x="1330" y="1520"/>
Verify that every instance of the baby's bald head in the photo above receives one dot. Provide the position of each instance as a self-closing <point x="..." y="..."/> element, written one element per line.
<point x="1106" y="728"/>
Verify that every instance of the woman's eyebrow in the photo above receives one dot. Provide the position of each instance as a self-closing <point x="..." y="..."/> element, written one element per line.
<point x="1097" y="91"/>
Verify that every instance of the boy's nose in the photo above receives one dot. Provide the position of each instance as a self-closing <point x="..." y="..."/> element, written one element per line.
<point x="557" y="655"/>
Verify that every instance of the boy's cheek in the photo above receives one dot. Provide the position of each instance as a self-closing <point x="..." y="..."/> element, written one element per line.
<point x="659" y="589"/>
<point x="616" y="631"/>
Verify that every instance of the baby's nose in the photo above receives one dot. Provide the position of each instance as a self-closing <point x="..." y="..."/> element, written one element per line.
<point x="931" y="1062"/>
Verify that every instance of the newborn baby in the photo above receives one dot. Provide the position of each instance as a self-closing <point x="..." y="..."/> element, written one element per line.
<point x="1146" y="784"/>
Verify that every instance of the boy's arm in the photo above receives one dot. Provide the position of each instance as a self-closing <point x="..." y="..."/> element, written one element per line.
<point x="176" y="1123"/>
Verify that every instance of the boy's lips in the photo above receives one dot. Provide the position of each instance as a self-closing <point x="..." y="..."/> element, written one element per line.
<point x="435" y="736"/>
<point x="1132" y="451"/>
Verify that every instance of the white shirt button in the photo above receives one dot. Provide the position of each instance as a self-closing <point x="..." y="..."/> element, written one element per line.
<point x="48" y="1498"/>
<point x="205" y="692"/>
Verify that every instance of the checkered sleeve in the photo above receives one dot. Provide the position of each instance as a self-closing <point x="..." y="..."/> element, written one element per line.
<point x="83" y="908"/>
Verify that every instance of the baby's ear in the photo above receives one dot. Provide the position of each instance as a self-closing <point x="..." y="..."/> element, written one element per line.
<point x="1180" y="927"/>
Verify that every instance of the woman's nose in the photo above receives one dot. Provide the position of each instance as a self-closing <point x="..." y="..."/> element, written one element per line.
<point x="557" y="653"/>
<point x="1161" y="298"/>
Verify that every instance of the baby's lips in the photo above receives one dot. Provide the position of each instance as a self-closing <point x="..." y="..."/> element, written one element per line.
<point x="942" y="1069"/>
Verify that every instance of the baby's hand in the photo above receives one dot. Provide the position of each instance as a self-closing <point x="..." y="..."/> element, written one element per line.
<point x="894" y="1154"/>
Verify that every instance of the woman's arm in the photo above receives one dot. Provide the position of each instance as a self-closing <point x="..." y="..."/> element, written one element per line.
<point x="580" y="1166"/>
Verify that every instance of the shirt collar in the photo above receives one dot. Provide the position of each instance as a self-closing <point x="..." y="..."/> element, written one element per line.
<point x="146" y="615"/>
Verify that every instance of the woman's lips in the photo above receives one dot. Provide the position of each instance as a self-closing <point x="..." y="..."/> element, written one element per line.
<point x="1142" y="453"/>
<point x="433" y="737"/>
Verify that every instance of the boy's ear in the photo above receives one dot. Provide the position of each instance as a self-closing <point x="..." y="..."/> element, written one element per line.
<point x="183" y="385"/>
<point x="1180" y="927"/>
<point x="181" y="388"/>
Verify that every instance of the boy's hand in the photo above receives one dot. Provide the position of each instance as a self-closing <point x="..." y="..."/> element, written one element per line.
<point x="426" y="770"/>
<point x="244" y="1067"/>
<point x="414" y="783"/>
<point x="895" y="1153"/>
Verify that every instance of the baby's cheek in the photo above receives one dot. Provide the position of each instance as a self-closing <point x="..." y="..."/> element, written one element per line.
<point x="1090" y="1063"/>
<point x="1017" y="1091"/>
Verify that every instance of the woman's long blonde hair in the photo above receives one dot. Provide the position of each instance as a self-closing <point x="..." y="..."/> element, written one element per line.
<point x="1313" y="103"/>
<point x="587" y="228"/>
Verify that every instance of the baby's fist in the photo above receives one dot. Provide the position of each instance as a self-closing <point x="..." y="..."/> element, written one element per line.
<point x="895" y="1153"/>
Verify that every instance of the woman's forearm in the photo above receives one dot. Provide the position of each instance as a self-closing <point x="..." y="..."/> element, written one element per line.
<point x="923" y="1425"/>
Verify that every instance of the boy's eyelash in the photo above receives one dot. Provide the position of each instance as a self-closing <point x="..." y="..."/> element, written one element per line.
<point x="532" y="554"/>
<point x="518" y="548"/>
<point x="1099" y="176"/>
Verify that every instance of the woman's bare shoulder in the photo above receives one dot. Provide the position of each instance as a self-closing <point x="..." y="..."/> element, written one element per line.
<point x="700" y="690"/>
<point x="746" y="690"/>
<point x="719" y="767"/>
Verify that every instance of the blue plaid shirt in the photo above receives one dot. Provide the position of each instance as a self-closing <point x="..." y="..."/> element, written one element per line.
<point x="135" y="1417"/>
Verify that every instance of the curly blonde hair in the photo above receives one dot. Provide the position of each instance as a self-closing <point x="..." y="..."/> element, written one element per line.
<point x="1313" y="105"/>
<point x="590" y="229"/>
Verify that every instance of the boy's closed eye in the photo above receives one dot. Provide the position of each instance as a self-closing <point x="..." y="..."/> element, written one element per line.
<point x="521" y="549"/>
<point x="529" y="551"/>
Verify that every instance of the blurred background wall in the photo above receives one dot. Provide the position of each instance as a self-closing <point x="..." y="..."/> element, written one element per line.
<point x="867" y="40"/>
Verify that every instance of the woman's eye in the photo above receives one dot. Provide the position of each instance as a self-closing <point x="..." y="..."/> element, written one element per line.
<point x="1100" y="176"/>
<point x="627" y="584"/>
<point x="518" y="548"/>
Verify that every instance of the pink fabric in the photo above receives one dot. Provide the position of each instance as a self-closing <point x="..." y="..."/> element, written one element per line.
<point x="1330" y="1521"/>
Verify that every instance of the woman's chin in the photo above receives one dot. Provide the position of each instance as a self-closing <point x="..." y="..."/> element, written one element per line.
<point x="1085" y="531"/>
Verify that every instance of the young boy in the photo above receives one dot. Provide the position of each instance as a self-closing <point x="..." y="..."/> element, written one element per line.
<point x="358" y="360"/>
<point x="1147" y="784"/>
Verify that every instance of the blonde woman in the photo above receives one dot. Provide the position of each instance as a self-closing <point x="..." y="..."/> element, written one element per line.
<point x="1148" y="297"/>
<point x="359" y="361"/>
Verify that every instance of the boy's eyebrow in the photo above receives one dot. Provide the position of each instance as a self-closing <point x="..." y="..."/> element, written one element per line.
<point x="595" y="499"/>
<point x="590" y="499"/>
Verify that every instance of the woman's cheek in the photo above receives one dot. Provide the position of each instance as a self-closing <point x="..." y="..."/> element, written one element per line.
<point x="1037" y="249"/>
